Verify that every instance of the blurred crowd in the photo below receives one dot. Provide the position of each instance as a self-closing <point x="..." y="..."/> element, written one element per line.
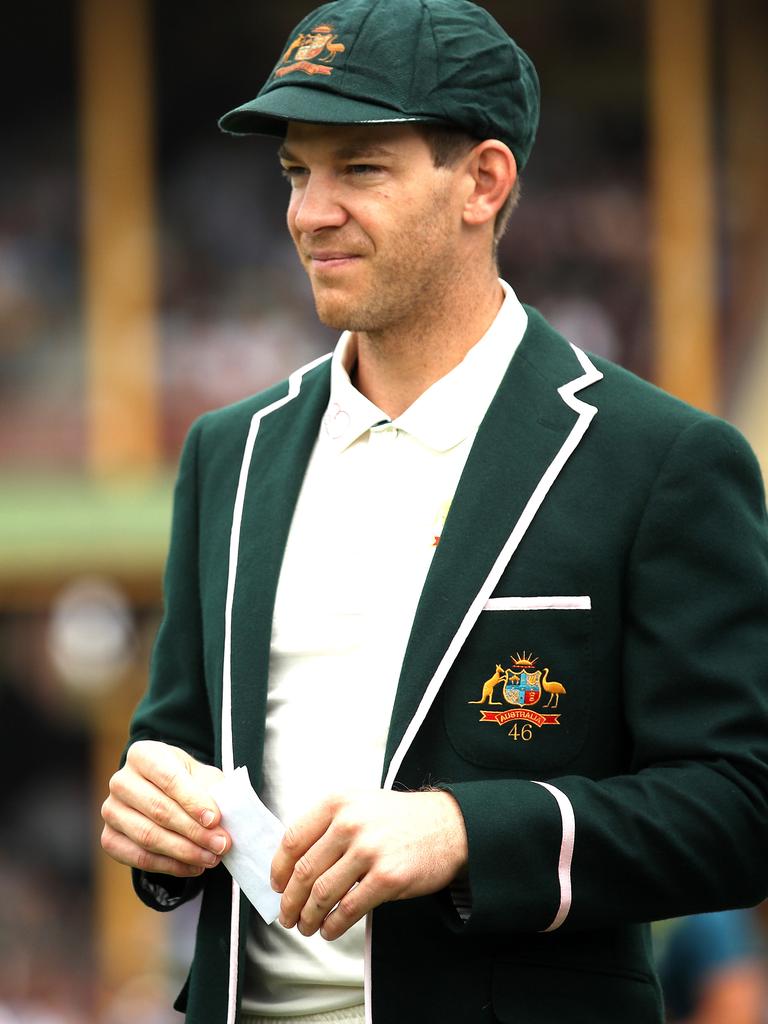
<point x="235" y="313"/>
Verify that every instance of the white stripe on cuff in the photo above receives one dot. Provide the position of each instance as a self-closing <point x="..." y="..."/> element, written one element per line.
<point x="566" y="854"/>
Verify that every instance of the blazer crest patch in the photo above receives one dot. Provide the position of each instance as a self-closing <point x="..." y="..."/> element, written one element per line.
<point x="522" y="686"/>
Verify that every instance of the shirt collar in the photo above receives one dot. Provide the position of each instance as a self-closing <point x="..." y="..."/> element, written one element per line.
<point x="448" y="411"/>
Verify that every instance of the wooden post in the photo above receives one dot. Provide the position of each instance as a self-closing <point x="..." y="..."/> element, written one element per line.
<point x="745" y="45"/>
<point x="119" y="249"/>
<point x="746" y="136"/>
<point x="682" y="170"/>
<point x="119" y="301"/>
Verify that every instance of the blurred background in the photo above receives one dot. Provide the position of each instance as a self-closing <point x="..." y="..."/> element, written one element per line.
<point x="146" y="276"/>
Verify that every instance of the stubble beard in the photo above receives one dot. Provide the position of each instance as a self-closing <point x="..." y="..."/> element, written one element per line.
<point x="383" y="305"/>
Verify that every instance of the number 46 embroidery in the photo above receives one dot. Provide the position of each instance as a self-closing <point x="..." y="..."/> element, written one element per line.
<point x="521" y="732"/>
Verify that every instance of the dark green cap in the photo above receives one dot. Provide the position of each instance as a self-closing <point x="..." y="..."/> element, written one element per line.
<point x="387" y="61"/>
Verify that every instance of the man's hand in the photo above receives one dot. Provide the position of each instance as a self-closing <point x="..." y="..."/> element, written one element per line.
<point x="159" y="815"/>
<point x="393" y="845"/>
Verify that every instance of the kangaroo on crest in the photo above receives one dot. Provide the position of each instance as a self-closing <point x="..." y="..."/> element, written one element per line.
<point x="488" y="688"/>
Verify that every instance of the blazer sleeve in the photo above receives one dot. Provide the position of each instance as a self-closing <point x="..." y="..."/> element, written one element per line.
<point x="175" y="708"/>
<point x="685" y="830"/>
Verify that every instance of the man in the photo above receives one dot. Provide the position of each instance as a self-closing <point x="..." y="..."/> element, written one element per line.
<point x="484" y="616"/>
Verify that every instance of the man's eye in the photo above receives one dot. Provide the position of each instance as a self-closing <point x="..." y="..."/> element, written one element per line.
<point x="360" y="169"/>
<point x="293" y="172"/>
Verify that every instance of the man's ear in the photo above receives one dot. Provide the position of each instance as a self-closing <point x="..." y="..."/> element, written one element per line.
<point x="493" y="171"/>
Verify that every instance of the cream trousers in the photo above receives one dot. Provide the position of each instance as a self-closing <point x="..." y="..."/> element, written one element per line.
<point x="351" y="1015"/>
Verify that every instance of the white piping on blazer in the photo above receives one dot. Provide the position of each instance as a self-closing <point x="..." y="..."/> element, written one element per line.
<point x="227" y="747"/>
<point x="585" y="414"/>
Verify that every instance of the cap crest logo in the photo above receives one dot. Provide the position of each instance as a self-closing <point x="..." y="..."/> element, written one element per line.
<point x="310" y="46"/>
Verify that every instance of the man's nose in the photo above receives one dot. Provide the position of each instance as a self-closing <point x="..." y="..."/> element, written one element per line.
<point x="317" y="206"/>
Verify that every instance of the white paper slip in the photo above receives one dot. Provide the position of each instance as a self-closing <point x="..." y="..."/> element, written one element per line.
<point x="256" y="835"/>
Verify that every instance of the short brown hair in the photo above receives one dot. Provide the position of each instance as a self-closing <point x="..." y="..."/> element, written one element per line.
<point x="448" y="145"/>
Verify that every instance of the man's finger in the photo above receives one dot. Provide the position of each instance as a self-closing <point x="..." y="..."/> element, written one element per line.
<point x="353" y="907"/>
<point x="153" y="838"/>
<point x="327" y="890"/>
<point x="313" y="882"/>
<point x="170" y="769"/>
<point x="134" y="790"/>
<point x="125" y="851"/>
<point x="297" y="841"/>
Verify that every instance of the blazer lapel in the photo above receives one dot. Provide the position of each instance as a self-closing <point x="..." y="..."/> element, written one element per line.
<point x="532" y="427"/>
<point x="280" y="442"/>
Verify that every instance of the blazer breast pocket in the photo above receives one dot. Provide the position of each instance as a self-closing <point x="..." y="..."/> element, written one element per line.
<point x="518" y="695"/>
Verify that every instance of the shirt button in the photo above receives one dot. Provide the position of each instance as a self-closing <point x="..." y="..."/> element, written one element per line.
<point x="383" y="434"/>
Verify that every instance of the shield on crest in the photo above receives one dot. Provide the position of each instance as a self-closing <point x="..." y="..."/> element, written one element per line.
<point x="312" y="45"/>
<point x="522" y="689"/>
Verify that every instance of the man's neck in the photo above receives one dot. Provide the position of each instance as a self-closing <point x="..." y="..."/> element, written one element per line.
<point x="395" y="366"/>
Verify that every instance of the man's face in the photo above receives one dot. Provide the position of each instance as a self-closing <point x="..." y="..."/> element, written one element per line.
<point x="375" y="223"/>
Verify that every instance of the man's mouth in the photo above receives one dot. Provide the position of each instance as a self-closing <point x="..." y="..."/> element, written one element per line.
<point x="330" y="259"/>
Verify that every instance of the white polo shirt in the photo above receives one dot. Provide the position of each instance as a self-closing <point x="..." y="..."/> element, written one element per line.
<point x="366" y="525"/>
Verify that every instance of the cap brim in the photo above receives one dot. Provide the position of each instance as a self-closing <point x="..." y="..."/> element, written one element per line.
<point x="268" y="114"/>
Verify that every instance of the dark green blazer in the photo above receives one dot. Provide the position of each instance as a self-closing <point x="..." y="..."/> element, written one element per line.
<point x="613" y="537"/>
